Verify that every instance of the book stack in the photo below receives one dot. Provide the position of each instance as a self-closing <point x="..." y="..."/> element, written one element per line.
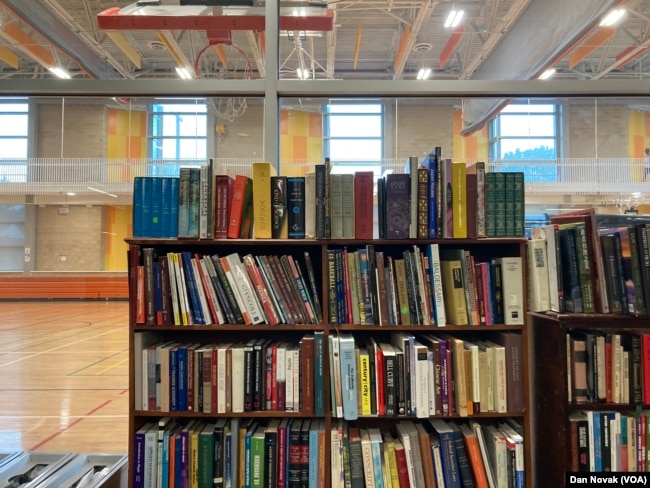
<point x="433" y="452"/>
<point x="181" y="288"/>
<point x="155" y="207"/>
<point x="222" y="378"/>
<point x="425" y="375"/>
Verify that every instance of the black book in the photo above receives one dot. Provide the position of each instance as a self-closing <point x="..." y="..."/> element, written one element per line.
<point x="372" y="277"/>
<point x="304" y="451"/>
<point x="293" y="458"/>
<point x="636" y="259"/>
<point x="570" y="273"/>
<point x="271" y="454"/>
<point x="279" y="217"/>
<point x="320" y="201"/>
<point x="218" y="458"/>
<point x="226" y="307"/>
<point x="312" y="283"/>
<point x="390" y="379"/>
<point x="296" y="207"/>
<point x="400" y="382"/>
<point x="249" y="375"/>
<point x="356" y="458"/>
<point x="612" y="278"/>
<point x="239" y="318"/>
<point x="149" y="286"/>
<point x="259" y="375"/>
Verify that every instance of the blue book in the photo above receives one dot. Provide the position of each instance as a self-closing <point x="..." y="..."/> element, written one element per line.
<point x="147" y="190"/>
<point x="375" y="449"/>
<point x="594" y="425"/>
<point x="138" y="449"/>
<point x="178" y="454"/>
<point x="138" y="194"/>
<point x="319" y="373"/>
<point x="165" y="207"/>
<point x="347" y="359"/>
<point x="196" y="313"/>
<point x="156" y="207"/>
<point x="173" y="207"/>
<point x="181" y="379"/>
<point x="433" y="177"/>
<point x="448" y="451"/>
<point x="173" y="379"/>
<point x="165" y="459"/>
<point x="313" y="453"/>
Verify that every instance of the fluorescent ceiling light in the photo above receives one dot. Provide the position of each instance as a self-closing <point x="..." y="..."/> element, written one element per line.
<point x="547" y="74"/>
<point x="183" y="72"/>
<point x="56" y="71"/>
<point x="303" y="74"/>
<point x="424" y="73"/>
<point x="613" y="17"/>
<point x="454" y="18"/>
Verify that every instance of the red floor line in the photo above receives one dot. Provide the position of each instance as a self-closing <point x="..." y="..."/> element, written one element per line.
<point x="70" y="425"/>
<point x="123" y="392"/>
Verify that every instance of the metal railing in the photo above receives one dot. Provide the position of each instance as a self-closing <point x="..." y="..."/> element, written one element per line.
<point x="51" y="176"/>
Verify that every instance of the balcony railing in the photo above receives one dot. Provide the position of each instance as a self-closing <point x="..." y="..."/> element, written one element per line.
<point x="52" y="176"/>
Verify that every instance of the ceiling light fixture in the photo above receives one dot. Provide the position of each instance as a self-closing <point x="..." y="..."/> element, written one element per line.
<point x="303" y="74"/>
<point x="547" y="74"/>
<point x="613" y="17"/>
<point x="59" y="72"/>
<point x="183" y="72"/>
<point x="424" y="74"/>
<point x="454" y="18"/>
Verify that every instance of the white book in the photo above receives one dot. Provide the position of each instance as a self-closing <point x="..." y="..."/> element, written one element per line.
<point x="281" y="369"/>
<point x="631" y="443"/>
<point x="512" y="277"/>
<point x="366" y="453"/>
<point x="151" y="457"/>
<point x="288" y="374"/>
<point x="173" y="287"/>
<point x="222" y="372"/>
<point x="590" y="430"/>
<point x="513" y="436"/>
<point x="537" y="276"/>
<point x="246" y="289"/>
<point x="498" y="452"/>
<point x="437" y="462"/>
<point x="205" y="175"/>
<point x="431" y="376"/>
<point x="181" y="289"/>
<point x="422" y="380"/>
<point x="487" y="463"/>
<point x="499" y="384"/>
<point x="425" y="315"/>
<point x="295" y="374"/>
<point x="436" y="282"/>
<point x="238" y="367"/>
<point x="476" y="376"/>
<point x="617" y="367"/>
<point x="335" y="377"/>
<point x="551" y="255"/>
<point x="600" y="366"/>
<point x="203" y="301"/>
<point x="164" y="375"/>
<point x="625" y="398"/>
<point x="376" y="443"/>
<point x="336" y="455"/>
<point x="348" y="364"/>
<point x="310" y="205"/>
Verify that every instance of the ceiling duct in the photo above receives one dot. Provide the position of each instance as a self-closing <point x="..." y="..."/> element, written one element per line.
<point x="542" y="35"/>
<point x="43" y="21"/>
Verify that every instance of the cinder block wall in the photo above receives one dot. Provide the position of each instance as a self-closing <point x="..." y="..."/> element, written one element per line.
<point x="420" y="129"/>
<point x="601" y="130"/>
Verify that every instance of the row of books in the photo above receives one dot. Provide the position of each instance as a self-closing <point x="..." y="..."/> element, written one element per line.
<point x="291" y="453"/>
<point x="425" y="375"/>
<point x="226" y="453"/>
<point x="258" y="375"/>
<point x="427" y="454"/>
<point x="423" y="286"/>
<point x="435" y="199"/>
<point x="603" y="441"/>
<point x="608" y="367"/>
<point x="588" y="263"/>
<point x="181" y="288"/>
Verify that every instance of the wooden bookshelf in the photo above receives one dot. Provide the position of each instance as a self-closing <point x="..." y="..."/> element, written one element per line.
<point x="318" y="250"/>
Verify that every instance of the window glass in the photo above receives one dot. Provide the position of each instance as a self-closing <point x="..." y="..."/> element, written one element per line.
<point x="354" y="134"/>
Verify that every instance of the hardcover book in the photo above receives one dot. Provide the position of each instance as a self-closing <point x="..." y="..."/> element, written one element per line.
<point x="397" y="206"/>
<point x="279" y="209"/>
<point x="296" y="207"/>
<point x="363" y="188"/>
<point x="262" y="205"/>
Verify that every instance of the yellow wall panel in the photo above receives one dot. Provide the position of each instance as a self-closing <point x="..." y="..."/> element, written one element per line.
<point x="118" y="225"/>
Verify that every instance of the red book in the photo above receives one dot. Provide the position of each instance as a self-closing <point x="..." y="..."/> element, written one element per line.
<point x="402" y="465"/>
<point x="471" y="186"/>
<point x="272" y="378"/>
<point x="363" y="218"/>
<point x="222" y="186"/>
<point x="213" y="378"/>
<point x="307" y="376"/>
<point x="207" y="288"/>
<point x="260" y="288"/>
<point x="282" y="453"/>
<point x="380" y="376"/>
<point x="237" y="206"/>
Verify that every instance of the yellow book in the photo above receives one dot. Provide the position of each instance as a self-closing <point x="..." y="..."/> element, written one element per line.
<point x="459" y="199"/>
<point x="262" y="208"/>
<point x="389" y="445"/>
<point x="454" y="290"/>
<point x="364" y="381"/>
<point x="194" y="455"/>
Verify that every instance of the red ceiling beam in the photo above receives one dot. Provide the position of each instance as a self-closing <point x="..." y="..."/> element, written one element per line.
<point x="112" y="19"/>
<point x="451" y="45"/>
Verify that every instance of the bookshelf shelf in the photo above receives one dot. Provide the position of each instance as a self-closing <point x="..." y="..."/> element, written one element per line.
<point x="550" y="333"/>
<point x="144" y="336"/>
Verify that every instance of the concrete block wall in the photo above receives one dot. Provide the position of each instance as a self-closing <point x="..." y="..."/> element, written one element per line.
<point x="243" y="137"/>
<point x="420" y="128"/>
<point x="597" y="131"/>
<point x="84" y="131"/>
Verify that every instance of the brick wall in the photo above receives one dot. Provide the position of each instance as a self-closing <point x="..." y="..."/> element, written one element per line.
<point x="84" y="131"/>
<point x="77" y="236"/>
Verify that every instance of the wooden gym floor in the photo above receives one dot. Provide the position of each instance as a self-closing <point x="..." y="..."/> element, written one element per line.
<point x="64" y="376"/>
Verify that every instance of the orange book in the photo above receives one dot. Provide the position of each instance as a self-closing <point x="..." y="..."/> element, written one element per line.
<point x="237" y="206"/>
<point x="474" y="455"/>
<point x="139" y="300"/>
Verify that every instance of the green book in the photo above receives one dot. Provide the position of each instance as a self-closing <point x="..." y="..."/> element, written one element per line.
<point x="257" y="457"/>
<point x="500" y="204"/>
<point x="206" y="456"/>
<point x="490" y="204"/>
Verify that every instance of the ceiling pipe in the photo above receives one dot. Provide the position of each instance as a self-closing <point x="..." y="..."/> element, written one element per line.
<point x="92" y="61"/>
<point x="421" y="19"/>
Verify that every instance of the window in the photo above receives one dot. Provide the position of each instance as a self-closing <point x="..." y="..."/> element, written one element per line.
<point x="12" y="238"/>
<point x="524" y="137"/>
<point x="14" y="127"/>
<point x="178" y="132"/>
<point x="353" y="136"/>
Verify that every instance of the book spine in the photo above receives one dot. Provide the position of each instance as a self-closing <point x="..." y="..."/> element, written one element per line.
<point x="433" y="195"/>
<point x="423" y="203"/>
<point x="262" y="205"/>
<point x="481" y="230"/>
<point x="279" y="210"/>
<point x="320" y="201"/>
<point x="296" y="207"/>
<point x="195" y="194"/>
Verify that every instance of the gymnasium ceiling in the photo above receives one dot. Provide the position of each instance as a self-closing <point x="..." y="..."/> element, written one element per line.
<point x="368" y="40"/>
